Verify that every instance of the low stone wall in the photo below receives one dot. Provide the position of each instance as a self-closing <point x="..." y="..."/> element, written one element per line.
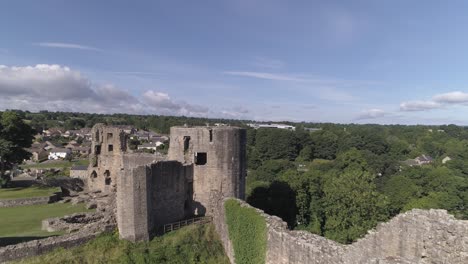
<point x="29" y="201"/>
<point x="37" y="247"/>
<point x="418" y="236"/>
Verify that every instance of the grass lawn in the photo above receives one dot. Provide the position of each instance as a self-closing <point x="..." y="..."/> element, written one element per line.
<point x="20" y="192"/>
<point x="23" y="223"/>
<point x="56" y="164"/>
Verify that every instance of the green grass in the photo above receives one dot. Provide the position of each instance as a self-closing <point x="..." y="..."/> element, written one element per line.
<point x="189" y="245"/>
<point x="24" y="222"/>
<point x="58" y="164"/>
<point x="247" y="232"/>
<point x="20" y="192"/>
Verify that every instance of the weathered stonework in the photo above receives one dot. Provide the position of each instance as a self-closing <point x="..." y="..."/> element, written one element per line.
<point x="418" y="236"/>
<point x="29" y="201"/>
<point x="204" y="163"/>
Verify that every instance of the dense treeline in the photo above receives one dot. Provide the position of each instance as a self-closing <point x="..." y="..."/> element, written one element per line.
<point x="342" y="180"/>
<point x="45" y="119"/>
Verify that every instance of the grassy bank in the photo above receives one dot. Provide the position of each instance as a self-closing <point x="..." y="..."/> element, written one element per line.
<point x="20" y="192"/>
<point x="191" y="244"/>
<point x="56" y="164"/>
<point x="23" y="223"/>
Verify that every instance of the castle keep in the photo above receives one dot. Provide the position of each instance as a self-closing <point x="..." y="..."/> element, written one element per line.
<point x="204" y="164"/>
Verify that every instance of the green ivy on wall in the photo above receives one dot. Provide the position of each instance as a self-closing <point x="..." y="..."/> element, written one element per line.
<point x="247" y="232"/>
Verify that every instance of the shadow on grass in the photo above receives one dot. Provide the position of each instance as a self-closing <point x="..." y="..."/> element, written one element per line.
<point x="5" y="241"/>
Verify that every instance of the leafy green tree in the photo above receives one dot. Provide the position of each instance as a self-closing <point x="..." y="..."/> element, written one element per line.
<point x="400" y="190"/>
<point x="325" y="144"/>
<point x="276" y="144"/>
<point x="352" y="205"/>
<point x="15" y="135"/>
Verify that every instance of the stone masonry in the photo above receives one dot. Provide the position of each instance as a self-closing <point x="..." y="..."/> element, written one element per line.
<point x="417" y="236"/>
<point x="204" y="163"/>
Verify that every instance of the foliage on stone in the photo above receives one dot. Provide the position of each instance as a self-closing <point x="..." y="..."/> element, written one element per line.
<point x="247" y="232"/>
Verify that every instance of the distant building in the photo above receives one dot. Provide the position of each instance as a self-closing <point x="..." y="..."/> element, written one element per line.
<point x="130" y="130"/>
<point x="79" y="172"/>
<point x="149" y="146"/>
<point x="38" y="154"/>
<point x="279" y="126"/>
<point x="421" y="160"/>
<point x="59" y="153"/>
<point x="312" y="129"/>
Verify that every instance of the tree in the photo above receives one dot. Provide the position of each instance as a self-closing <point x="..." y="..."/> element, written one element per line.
<point x="276" y="144"/>
<point x="15" y="135"/>
<point x="352" y="205"/>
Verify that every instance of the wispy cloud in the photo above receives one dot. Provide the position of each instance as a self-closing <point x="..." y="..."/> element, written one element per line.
<point x="371" y="114"/>
<point x="456" y="97"/>
<point x="266" y="76"/>
<point x="61" y="45"/>
<point x="412" y="106"/>
<point x="438" y="101"/>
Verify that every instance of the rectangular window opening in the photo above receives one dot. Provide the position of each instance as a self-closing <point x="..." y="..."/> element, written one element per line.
<point x="200" y="158"/>
<point x="211" y="135"/>
<point x="186" y="143"/>
<point x="97" y="149"/>
<point x="110" y="148"/>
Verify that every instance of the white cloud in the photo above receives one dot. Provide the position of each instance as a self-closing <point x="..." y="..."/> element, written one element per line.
<point x="456" y="97"/>
<point x="419" y="105"/>
<point x="61" y="45"/>
<point x="372" y="114"/>
<point x="58" y="88"/>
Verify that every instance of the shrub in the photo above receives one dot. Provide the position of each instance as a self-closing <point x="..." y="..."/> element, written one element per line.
<point x="247" y="232"/>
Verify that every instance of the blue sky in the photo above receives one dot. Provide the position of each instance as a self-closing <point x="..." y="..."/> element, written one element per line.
<point x="322" y="61"/>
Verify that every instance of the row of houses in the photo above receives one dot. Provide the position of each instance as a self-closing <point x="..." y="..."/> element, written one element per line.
<point x="48" y="150"/>
<point x="51" y="151"/>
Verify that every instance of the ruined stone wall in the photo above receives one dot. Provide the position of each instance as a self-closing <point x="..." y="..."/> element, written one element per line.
<point x="218" y="155"/>
<point x="106" y="158"/>
<point x="29" y="201"/>
<point x="169" y="197"/>
<point x="133" y="204"/>
<point x="149" y="196"/>
<point x="42" y="246"/>
<point x="418" y="236"/>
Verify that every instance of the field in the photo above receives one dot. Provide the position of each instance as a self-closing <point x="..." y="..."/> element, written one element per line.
<point x="191" y="244"/>
<point x="15" y="193"/>
<point x="23" y="223"/>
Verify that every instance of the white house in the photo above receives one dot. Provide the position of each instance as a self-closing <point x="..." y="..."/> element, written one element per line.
<point x="148" y="146"/>
<point x="59" y="153"/>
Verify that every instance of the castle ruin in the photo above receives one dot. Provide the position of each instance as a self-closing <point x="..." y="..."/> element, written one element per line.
<point x="204" y="164"/>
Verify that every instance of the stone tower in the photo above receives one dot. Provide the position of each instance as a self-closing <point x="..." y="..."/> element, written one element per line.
<point x="108" y="147"/>
<point x="218" y="156"/>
